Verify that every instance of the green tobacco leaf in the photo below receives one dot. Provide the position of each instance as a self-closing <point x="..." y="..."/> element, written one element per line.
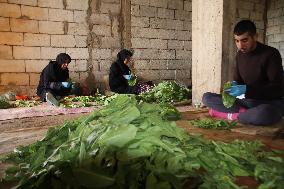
<point x="82" y="153"/>
<point x="126" y="115"/>
<point x="118" y="136"/>
<point x="91" y="179"/>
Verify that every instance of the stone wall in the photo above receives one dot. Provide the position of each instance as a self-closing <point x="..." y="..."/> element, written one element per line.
<point x="32" y="32"/>
<point x="105" y="38"/>
<point x="161" y="39"/>
<point x="254" y="10"/>
<point x="275" y="26"/>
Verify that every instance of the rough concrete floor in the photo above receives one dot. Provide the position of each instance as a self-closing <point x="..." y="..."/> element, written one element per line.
<point x="27" y="130"/>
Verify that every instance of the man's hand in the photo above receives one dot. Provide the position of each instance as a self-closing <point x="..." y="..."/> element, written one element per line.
<point x="66" y="84"/>
<point x="236" y="90"/>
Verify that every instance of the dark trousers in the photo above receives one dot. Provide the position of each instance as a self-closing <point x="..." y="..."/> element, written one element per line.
<point x="124" y="90"/>
<point x="258" y="112"/>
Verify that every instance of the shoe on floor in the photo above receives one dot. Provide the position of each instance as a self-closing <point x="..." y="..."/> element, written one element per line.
<point x="51" y="100"/>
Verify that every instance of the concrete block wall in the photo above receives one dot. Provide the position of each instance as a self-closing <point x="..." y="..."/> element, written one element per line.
<point x="32" y="32"/>
<point x="92" y="31"/>
<point x="275" y="26"/>
<point x="161" y="39"/>
<point x="254" y="10"/>
<point x="105" y="26"/>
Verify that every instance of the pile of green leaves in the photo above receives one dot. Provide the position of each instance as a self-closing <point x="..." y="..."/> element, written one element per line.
<point x="169" y="112"/>
<point x="4" y="104"/>
<point x="26" y="103"/>
<point x="227" y="99"/>
<point x="128" y="145"/>
<point x="209" y="123"/>
<point x="78" y="101"/>
<point x="166" y="92"/>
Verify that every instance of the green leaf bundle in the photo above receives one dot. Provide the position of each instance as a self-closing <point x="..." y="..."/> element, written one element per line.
<point x="227" y="99"/>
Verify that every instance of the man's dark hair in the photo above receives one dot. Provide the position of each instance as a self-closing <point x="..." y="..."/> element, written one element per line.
<point x="245" y="26"/>
<point x="63" y="58"/>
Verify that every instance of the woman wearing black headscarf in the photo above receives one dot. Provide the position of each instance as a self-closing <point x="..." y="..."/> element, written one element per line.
<point x="120" y="74"/>
<point x="54" y="80"/>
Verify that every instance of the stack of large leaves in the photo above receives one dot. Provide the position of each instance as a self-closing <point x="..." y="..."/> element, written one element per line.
<point x="129" y="145"/>
<point x="167" y="92"/>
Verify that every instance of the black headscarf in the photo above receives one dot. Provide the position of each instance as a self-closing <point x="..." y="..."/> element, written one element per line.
<point x="117" y="82"/>
<point x="63" y="58"/>
<point x="53" y="73"/>
<point x="123" y="54"/>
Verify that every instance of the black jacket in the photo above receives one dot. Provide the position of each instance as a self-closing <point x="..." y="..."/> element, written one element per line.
<point x="261" y="70"/>
<point x="117" y="82"/>
<point x="50" y="80"/>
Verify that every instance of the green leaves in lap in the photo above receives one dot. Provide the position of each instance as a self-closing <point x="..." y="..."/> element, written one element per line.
<point x="133" y="80"/>
<point x="227" y="99"/>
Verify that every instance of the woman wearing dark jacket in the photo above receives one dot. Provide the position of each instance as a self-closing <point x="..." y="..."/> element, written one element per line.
<point x="54" y="80"/>
<point x="120" y="74"/>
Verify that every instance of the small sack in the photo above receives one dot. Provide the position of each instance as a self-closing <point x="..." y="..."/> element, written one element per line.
<point x="10" y="96"/>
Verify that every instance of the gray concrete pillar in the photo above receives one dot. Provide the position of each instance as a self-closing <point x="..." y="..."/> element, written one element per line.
<point x="212" y="45"/>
